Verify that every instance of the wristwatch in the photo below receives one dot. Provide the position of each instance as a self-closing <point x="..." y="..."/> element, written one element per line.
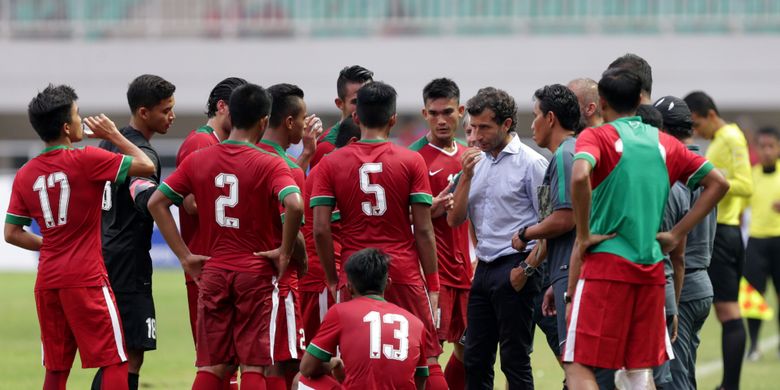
<point x="527" y="269"/>
<point x="521" y="234"/>
<point x="566" y="298"/>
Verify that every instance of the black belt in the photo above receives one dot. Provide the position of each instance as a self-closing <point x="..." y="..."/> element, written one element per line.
<point x="692" y="270"/>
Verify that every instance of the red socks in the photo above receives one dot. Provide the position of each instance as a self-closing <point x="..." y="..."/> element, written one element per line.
<point x="115" y="377"/>
<point x="435" y="378"/>
<point x="254" y="381"/>
<point x="56" y="380"/>
<point x="455" y="373"/>
<point x="205" y="380"/>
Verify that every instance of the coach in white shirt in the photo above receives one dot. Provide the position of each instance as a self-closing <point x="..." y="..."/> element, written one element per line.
<point x="497" y="192"/>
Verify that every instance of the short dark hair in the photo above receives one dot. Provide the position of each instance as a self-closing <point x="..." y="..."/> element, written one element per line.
<point x="638" y="66"/>
<point x="650" y="116"/>
<point x="367" y="270"/>
<point x="563" y="103"/>
<point x="148" y="90"/>
<point x="285" y="102"/>
<point x="441" y="88"/>
<point x="700" y="103"/>
<point x="769" y="131"/>
<point x="50" y="109"/>
<point x="222" y="92"/>
<point x="248" y="104"/>
<point x="501" y="103"/>
<point x="347" y="130"/>
<point x="352" y="74"/>
<point x="375" y="104"/>
<point x="621" y="89"/>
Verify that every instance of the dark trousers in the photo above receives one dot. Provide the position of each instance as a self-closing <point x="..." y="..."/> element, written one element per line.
<point x="498" y="315"/>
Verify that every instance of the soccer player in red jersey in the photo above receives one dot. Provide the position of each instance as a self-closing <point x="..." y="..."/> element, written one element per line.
<point x="351" y="78"/>
<point x="288" y="124"/>
<point x="315" y="298"/>
<point x="62" y="190"/>
<point x="374" y="184"/>
<point x="621" y="176"/>
<point x="442" y="154"/>
<point x="382" y="345"/>
<point x="216" y="129"/>
<point x="236" y="186"/>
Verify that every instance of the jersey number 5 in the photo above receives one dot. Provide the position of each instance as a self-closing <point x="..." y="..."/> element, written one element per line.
<point x="401" y="334"/>
<point x="40" y="186"/>
<point x="222" y="180"/>
<point x="369" y="188"/>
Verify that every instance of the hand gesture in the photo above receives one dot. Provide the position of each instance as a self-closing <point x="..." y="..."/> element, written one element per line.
<point x="193" y="265"/>
<point x="548" y="303"/>
<point x="279" y="260"/>
<point x="668" y="241"/>
<point x="312" y="128"/>
<point x="102" y="127"/>
<point x="443" y="202"/>
<point x="580" y="247"/>
<point x="469" y="160"/>
<point x="517" y="243"/>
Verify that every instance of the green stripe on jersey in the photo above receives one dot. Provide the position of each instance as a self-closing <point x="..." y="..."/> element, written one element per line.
<point x="587" y="157"/>
<point x="420" y="371"/>
<point x="319" y="353"/>
<point x="17" y="220"/>
<point x="124" y="169"/>
<point x="695" y="179"/>
<point x="421" y="197"/>
<point x="419" y="144"/>
<point x="561" y="171"/>
<point x="322" y="201"/>
<point x="287" y="191"/>
<point x="169" y="193"/>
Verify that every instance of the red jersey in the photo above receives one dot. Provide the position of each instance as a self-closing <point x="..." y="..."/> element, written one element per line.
<point x="602" y="148"/>
<point x="452" y="244"/>
<point x="314" y="280"/>
<point x="325" y="144"/>
<point x="238" y="188"/>
<point x="200" y="138"/>
<point x="290" y="277"/>
<point x="62" y="189"/>
<point x="380" y="343"/>
<point x="374" y="183"/>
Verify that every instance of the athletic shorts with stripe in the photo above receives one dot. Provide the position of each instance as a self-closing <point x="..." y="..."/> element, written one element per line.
<point x="617" y="325"/>
<point x="234" y="318"/>
<point x="314" y="305"/>
<point x="290" y="339"/>
<point x="451" y="315"/>
<point x="83" y="318"/>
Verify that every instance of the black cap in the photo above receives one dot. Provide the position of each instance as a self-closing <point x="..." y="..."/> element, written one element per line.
<point x="675" y="112"/>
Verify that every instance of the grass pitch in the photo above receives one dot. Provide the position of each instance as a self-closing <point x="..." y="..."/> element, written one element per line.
<point x="172" y="365"/>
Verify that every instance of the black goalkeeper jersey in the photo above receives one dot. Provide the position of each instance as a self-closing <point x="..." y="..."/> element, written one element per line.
<point x="127" y="225"/>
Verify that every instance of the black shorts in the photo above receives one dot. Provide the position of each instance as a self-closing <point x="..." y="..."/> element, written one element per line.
<point x="138" y="320"/>
<point x="728" y="258"/>
<point x="763" y="261"/>
<point x="548" y="325"/>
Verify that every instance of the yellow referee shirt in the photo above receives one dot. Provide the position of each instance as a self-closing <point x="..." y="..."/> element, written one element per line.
<point x="764" y="221"/>
<point x="728" y="152"/>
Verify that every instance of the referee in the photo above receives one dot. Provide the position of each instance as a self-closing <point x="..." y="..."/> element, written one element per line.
<point x="729" y="154"/>
<point x="127" y="224"/>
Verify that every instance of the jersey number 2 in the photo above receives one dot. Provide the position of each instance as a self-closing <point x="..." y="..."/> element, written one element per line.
<point x="401" y="334"/>
<point x="369" y="188"/>
<point x="41" y="184"/>
<point x="222" y="180"/>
